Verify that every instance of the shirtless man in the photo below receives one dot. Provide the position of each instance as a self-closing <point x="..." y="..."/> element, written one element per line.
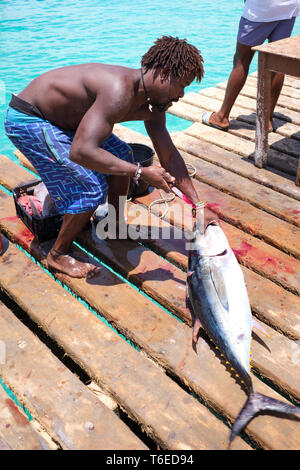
<point x="63" y="122"/>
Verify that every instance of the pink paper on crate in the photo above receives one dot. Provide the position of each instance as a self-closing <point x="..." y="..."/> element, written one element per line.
<point x="31" y="204"/>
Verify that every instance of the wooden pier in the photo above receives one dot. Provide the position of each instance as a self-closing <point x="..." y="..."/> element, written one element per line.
<point x="108" y="363"/>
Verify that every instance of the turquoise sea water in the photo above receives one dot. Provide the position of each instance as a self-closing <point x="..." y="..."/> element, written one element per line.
<point x="37" y="35"/>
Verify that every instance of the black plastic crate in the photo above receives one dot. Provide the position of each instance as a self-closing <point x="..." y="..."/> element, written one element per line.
<point x="44" y="228"/>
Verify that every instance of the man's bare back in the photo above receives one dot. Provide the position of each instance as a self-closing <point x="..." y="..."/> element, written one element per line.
<point x="64" y="95"/>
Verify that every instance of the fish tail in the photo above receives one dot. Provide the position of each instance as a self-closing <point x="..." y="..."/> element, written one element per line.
<point x="255" y="403"/>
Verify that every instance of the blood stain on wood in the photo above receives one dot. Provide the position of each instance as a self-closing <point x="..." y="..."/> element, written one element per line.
<point x="17" y="415"/>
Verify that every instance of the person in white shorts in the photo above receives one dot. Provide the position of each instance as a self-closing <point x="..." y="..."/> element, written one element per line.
<point x="261" y="20"/>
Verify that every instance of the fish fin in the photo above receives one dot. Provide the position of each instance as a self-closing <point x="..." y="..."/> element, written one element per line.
<point x="257" y="325"/>
<point x="219" y="284"/>
<point x="196" y="322"/>
<point x="196" y="328"/>
<point x="188" y="303"/>
<point x="255" y="403"/>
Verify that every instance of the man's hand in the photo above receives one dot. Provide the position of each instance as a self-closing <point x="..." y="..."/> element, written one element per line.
<point x="209" y="217"/>
<point x="158" y="177"/>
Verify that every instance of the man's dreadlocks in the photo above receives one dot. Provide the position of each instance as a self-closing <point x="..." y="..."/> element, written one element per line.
<point x="173" y="56"/>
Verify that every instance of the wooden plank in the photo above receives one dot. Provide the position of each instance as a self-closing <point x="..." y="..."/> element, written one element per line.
<point x="169" y="341"/>
<point x="167" y="286"/>
<point x="282" y="64"/>
<point x="251" y="83"/>
<point x="292" y="81"/>
<point x="276" y="141"/>
<point x="13" y="174"/>
<point x="285" y="128"/>
<point x="264" y="198"/>
<point x="282" y="162"/>
<point x="270" y="302"/>
<point x="252" y="252"/>
<point x="240" y="213"/>
<point x="241" y="146"/>
<point x="256" y="222"/>
<point x="19" y="177"/>
<point x="283" y="100"/>
<point x="289" y="79"/>
<point x="269" y="307"/>
<point x="15" y="429"/>
<point x="221" y="158"/>
<point x="247" y="210"/>
<point x="236" y="164"/>
<point x="137" y="270"/>
<point x="218" y="183"/>
<point x="175" y="251"/>
<point x="289" y="146"/>
<point x="131" y="136"/>
<point x="287" y="95"/>
<point x="245" y="130"/>
<point x="24" y="161"/>
<point x="168" y="414"/>
<point x="72" y="414"/>
<point x="250" y="104"/>
<point x="289" y="213"/>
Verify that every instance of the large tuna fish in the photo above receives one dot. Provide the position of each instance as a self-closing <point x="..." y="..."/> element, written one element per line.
<point x="219" y="303"/>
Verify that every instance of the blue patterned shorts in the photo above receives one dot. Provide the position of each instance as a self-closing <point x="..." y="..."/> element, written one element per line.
<point x="74" y="189"/>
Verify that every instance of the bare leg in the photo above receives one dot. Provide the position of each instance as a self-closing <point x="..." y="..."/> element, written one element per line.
<point x="236" y="81"/>
<point x="241" y="62"/>
<point x="118" y="187"/>
<point x="58" y="258"/>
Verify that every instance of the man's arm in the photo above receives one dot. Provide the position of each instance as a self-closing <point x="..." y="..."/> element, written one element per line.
<point x="173" y="162"/>
<point x="95" y="127"/>
<point x="169" y="156"/>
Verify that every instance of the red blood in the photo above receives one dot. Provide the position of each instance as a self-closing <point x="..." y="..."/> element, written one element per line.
<point x="25" y="237"/>
<point x="18" y="416"/>
<point x="214" y="207"/>
<point x="243" y="251"/>
<point x="294" y="211"/>
<point x="12" y="218"/>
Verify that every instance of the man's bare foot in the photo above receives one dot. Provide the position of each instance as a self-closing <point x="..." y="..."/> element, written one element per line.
<point x="221" y="122"/>
<point x="71" y="264"/>
<point x="215" y="120"/>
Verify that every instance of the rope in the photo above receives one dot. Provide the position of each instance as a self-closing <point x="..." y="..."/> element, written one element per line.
<point x="162" y="200"/>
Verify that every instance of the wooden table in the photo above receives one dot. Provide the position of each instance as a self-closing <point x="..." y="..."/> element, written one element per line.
<point x="280" y="56"/>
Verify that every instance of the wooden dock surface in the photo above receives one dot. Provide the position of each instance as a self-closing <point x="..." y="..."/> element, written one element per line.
<point x="108" y="363"/>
